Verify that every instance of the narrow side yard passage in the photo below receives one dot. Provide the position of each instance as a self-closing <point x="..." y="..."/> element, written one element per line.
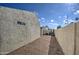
<point x="46" y="45"/>
<point x="37" y="47"/>
<point x="55" y="48"/>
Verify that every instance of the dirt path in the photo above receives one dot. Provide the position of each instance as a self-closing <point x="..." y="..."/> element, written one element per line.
<point x="37" y="47"/>
<point x="42" y="46"/>
<point x="54" y="48"/>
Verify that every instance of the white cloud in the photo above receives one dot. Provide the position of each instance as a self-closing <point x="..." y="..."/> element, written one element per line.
<point x="54" y="24"/>
<point x="43" y="21"/>
<point x="52" y="20"/>
<point x="65" y="16"/>
<point x="42" y="18"/>
<point x="59" y="17"/>
<point x="64" y="21"/>
<point x="76" y="12"/>
<point x="68" y="21"/>
<point x="71" y="20"/>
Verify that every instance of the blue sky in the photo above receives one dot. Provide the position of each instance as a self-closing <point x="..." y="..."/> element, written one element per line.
<point x="50" y="14"/>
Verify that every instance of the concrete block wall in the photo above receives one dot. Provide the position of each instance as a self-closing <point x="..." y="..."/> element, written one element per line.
<point x="17" y="28"/>
<point x="77" y="38"/>
<point x="65" y="37"/>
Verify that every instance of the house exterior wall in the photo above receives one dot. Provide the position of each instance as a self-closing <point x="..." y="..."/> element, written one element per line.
<point x="17" y="28"/>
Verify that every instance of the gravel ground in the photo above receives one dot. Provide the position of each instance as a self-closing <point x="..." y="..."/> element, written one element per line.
<point x="37" y="47"/>
<point x="55" y="48"/>
<point x="46" y="45"/>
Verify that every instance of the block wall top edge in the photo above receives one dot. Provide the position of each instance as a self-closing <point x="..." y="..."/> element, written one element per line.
<point x="29" y="12"/>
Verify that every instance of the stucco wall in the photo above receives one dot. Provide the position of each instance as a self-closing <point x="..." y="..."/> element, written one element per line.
<point x="77" y="39"/>
<point x="14" y="35"/>
<point x="65" y="37"/>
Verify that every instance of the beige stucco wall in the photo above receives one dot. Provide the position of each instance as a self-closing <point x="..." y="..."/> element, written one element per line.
<point x="77" y="38"/>
<point x="65" y="37"/>
<point x="13" y="35"/>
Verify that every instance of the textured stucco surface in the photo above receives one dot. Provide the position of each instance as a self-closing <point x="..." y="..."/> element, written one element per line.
<point x="13" y="35"/>
<point x="65" y="37"/>
<point x="77" y="38"/>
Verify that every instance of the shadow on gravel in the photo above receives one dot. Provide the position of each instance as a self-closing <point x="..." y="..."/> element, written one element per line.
<point x="54" y="47"/>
